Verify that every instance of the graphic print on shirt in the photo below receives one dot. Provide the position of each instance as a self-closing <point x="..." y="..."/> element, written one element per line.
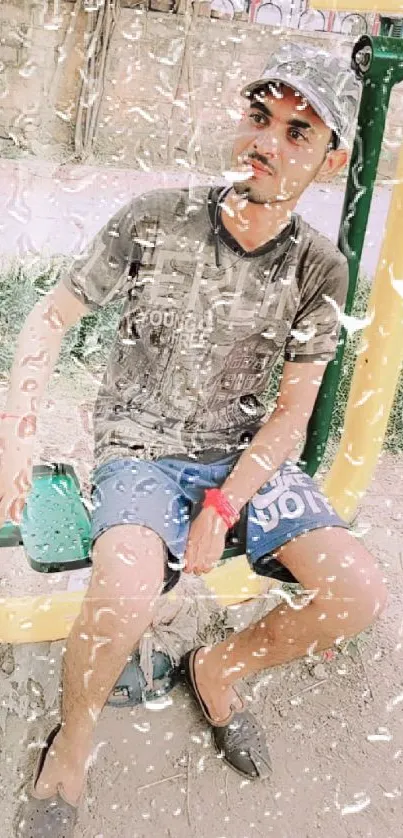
<point x="196" y="330"/>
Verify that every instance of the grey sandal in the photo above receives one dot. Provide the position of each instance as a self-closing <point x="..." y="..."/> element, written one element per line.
<point x="52" y="816"/>
<point x="239" y="738"/>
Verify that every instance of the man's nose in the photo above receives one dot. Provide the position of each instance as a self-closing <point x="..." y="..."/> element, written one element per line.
<point x="267" y="143"/>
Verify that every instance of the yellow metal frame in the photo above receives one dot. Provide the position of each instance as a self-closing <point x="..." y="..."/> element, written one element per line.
<point x="376" y="372"/>
<point x="34" y="619"/>
<point x="392" y="7"/>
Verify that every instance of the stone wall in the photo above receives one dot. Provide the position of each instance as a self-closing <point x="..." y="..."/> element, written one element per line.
<point x="170" y="96"/>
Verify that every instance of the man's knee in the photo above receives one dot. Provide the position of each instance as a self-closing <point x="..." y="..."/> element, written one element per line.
<point x="358" y="598"/>
<point x="128" y="571"/>
<point x="369" y="592"/>
<point x="348" y="591"/>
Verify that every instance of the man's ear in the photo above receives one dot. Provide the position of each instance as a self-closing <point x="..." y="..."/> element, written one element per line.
<point x="333" y="163"/>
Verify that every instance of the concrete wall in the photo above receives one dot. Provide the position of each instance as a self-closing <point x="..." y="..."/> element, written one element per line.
<point x="171" y="89"/>
<point x="38" y="91"/>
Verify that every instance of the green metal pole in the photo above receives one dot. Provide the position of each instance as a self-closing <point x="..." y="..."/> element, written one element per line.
<point x="379" y="62"/>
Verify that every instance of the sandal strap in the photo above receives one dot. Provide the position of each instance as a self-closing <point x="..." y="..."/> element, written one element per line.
<point x="44" y="752"/>
<point x="188" y="666"/>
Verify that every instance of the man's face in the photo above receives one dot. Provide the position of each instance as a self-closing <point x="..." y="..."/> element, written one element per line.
<point x="284" y="141"/>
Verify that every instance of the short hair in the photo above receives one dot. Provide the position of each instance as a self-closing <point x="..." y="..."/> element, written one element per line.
<point x="334" y="141"/>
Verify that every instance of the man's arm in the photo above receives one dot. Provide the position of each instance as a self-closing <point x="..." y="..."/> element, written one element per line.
<point x="314" y="334"/>
<point x="280" y="435"/>
<point x="98" y="275"/>
<point x="311" y="344"/>
<point x="37" y="350"/>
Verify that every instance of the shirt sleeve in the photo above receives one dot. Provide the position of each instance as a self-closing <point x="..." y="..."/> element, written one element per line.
<point x="315" y="330"/>
<point x="102" y="273"/>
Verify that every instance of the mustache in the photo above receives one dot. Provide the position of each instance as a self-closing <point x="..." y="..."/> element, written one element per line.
<point x="260" y="158"/>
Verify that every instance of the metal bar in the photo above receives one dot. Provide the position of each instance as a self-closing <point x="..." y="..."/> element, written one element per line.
<point x="376" y="29"/>
<point x="379" y="62"/>
<point x="392" y="27"/>
<point x="330" y="22"/>
<point x="387" y="7"/>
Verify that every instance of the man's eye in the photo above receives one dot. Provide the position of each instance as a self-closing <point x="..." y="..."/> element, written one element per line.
<point x="258" y="118"/>
<point x="297" y="135"/>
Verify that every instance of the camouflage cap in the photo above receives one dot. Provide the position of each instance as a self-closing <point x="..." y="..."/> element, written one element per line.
<point x="326" y="81"/>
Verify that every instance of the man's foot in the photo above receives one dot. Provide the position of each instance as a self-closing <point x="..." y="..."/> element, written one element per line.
<point x="52" y="815"/>
<point x="63" y="771"/>
<point x="220" y="700"/>
<point x="237" y="735"/>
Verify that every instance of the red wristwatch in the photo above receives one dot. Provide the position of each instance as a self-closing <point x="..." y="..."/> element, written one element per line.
<point x="217" y="499"/>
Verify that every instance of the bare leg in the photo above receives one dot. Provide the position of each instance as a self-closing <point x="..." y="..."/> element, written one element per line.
<point x="349" y="594"/>
<point x="127" y="578"/>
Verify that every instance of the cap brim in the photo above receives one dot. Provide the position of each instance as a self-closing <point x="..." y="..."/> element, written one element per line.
<point x="296" y="85"/>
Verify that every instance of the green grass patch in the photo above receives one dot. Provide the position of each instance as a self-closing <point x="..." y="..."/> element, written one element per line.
<point x="89" y="342"/>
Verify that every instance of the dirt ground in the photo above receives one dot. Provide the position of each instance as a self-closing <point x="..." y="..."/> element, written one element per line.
<point x="334" y="726"/>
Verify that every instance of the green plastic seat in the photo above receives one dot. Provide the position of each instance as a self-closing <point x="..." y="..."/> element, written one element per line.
<point x="55" y="529"/>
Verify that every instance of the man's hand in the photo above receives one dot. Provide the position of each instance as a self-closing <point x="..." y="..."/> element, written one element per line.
<point x="206" y="542"/>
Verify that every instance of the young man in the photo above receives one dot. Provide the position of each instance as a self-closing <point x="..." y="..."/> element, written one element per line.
<point x="216" y="283"/>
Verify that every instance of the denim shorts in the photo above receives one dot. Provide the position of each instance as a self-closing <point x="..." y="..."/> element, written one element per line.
<point x="165" y="495"/>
